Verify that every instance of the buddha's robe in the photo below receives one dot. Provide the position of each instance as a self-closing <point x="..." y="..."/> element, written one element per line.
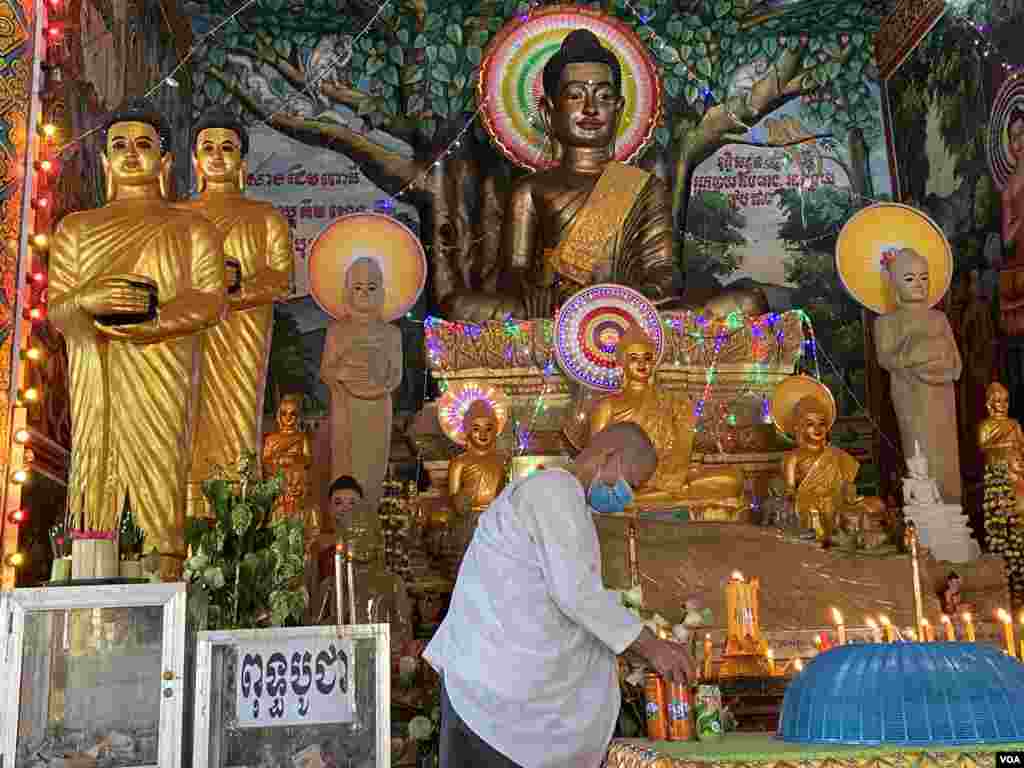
<point x="615" y="228"/>
<point x="822" y="479"/>
<point x="998" y="437"/>
<point x="481" y="479"/>
<point x="132" y="404"/>
<point x="236" y="352"/>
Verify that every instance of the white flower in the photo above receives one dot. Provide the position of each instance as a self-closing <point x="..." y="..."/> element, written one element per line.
<point x="420" y="728"/>
<point x="636" y="677"/>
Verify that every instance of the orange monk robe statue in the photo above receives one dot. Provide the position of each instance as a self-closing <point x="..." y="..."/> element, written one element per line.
<point x="133" y="386"/>
<point x="237" y="350"/>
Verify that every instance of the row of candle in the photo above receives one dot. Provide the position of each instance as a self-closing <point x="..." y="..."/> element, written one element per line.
<point x="883" y="630"/>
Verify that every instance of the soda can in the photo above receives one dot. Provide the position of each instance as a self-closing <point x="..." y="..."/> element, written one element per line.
<point x="680" y="712"/>
<point x="708" y="709"/>
<point x="657" y="707"/>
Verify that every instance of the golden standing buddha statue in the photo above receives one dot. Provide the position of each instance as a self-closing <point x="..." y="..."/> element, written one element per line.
<point x="999" y="436"/>
<point x="132" y="385"/>
<point x="820" y="479"/>
<point x="669" y="420"/>
<point x="237" y="349"/>
<point x="289" y="451"/>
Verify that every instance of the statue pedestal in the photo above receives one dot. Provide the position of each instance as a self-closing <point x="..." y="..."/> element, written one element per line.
<point x="94" y="559"/>
<point x="943" y="529"/>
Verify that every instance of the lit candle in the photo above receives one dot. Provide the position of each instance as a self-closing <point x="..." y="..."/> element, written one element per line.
<point x="819" y="646"/>
<point x="1021" y="656"/>
<point x="837" y="617"/>
<point x="876" y="631"/>
<point x="736" y="576"/>
<point x="707" y="656"/>
<point x="1004" y="617"/>
<point x="771" y="660"/>
<point x="798" y="665"/>
<point x="927" y="631"/>
<point x="968" y="627"/>
<point x="947" y="624"/>
<point x="339" y="590"/>
<point x="910" y="636"/>
<point x="888" y="629"/>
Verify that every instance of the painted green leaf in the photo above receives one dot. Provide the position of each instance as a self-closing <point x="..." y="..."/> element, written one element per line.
<point x="681" y="70"/>
<point x="373" y="66"/>
<point x="668" y="54"/>
<point x="707" y="34"/>
<point x="673" y="86"/>
<point x="435" y="21"/>
<point x="479" y="37"/>
<point x="411" y="73"/>
<point x="217" y="57"/>
<point x="436" y="88"/>
<point x="366" y="44"/>
<point x="390" y="76"/>
<point x="440" y="107"/>
<point x="674" y="28"/>
<point x="687" y="35"/>
<point x="771" y="45"/>
<point x="397" y="56"/>
<point x="474" y="54"/>
<point x="214" y="89"/>
<point x="431" y="52"/>
<point x="403" y="36"/>
<point x="703" y="67"/>
<point x="454" y="34"/>
<point x="428" y="127"/>
<point x="685" y="52"/>
<point x="700" y="49"/>
<point x="662" y="135"/>
<point x="691" y="94"/>
<point x="723" y="8"/>
<point x="442" y="73"/>
<point x="420" y="41"/>
<point x="449" y="55"/>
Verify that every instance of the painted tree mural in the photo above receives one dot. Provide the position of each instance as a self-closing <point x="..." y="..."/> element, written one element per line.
<point x="393" y="98"/>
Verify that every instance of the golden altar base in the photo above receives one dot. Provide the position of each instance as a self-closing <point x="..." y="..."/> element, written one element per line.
<point x="741" y="750"/>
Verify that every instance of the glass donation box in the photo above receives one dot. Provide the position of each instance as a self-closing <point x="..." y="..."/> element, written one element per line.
<point x="93" y="675"/>
<point x="309" y="697"/>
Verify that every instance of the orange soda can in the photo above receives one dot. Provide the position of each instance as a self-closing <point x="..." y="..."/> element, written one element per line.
<point x="657" y="707"/>
<point x="680" y="712"/>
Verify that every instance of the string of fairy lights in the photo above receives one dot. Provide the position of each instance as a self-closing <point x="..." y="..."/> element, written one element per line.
<point x="41" y="186"/>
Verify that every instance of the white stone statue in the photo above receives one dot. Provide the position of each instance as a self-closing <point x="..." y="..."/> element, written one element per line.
<point x="919" y="488"/>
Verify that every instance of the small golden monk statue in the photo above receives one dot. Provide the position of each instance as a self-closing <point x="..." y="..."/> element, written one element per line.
<point x="132" y="384"/>
<point x="999" y="436"/>
<point x="289" y="451"/>
<point x="669" y="420"/>
<point x="820" y="478"/>
<point x="259" y="259"/>
<point x="477" y="475"/>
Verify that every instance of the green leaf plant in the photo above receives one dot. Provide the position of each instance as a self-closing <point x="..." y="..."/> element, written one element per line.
<point x="245" y="568"/>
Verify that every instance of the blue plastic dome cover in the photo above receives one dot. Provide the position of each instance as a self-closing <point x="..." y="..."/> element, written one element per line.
<point x="906" y="693"/>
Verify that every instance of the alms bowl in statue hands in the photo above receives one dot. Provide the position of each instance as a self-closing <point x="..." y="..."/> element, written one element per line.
<point x="134" y="318"/>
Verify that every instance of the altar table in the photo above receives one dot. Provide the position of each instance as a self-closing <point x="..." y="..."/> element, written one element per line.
<point x="762" y="750"/>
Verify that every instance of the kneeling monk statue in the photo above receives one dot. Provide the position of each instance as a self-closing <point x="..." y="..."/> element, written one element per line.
<point x="820" y="479"/>
<point x="132" y="374"/>
<point x="668" y="418"/>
